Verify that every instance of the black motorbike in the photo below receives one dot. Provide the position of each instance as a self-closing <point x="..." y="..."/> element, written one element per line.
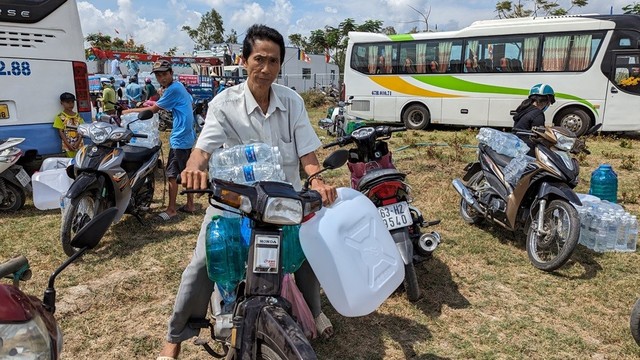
<point x="373" y="174"/>
<point x="540" y="201"/>
<point x="108" y="173"/>
<point x="263" y="326"/>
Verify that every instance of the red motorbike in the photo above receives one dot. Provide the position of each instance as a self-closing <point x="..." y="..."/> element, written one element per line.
<point x="373" y="174"/>
<point x="28" y="329"/>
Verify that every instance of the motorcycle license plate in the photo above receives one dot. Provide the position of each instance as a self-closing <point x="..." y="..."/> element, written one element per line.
<point x="266" y="254"/>
<point x="396" y="215"/>
<point x="23" y="177"/>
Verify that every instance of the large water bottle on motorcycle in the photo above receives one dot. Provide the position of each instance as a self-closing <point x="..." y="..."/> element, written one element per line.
<point x="226" y="255"/>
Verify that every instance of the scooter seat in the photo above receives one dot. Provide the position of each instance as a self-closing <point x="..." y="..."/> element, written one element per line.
<point x="375" y="176"/>
<point x="500" y="159"/>
<point x="138" y="154"/>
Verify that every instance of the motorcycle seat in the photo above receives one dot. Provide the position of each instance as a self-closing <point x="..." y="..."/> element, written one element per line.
<point x="138" y="154"/>
<point x="500" y="159"/>
<point x="375" y="176"/>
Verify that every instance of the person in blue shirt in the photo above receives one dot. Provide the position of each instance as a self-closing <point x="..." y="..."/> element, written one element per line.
<point x="133" y="92"/>
<point x="176" y="99"/>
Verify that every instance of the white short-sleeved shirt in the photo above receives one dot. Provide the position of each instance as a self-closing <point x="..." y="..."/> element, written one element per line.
<point x="234" y="118"/>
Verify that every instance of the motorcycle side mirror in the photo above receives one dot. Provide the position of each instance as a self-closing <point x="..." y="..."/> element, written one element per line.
<point x="341" y="104"/>
<point x="336" y="159"/>
<point x="593" y="129"/>
<point x="89" y="236"/>
<point x="145" y="115"/>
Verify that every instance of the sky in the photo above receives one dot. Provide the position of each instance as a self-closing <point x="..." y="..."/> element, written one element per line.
<point x="157" y="23"/>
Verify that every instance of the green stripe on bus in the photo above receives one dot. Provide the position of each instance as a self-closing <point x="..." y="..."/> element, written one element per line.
<point x="453" y="83"/>
<point x="401" y="37"/>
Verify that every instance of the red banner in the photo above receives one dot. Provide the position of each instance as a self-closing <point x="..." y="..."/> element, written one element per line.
<point x="123" y="55"/>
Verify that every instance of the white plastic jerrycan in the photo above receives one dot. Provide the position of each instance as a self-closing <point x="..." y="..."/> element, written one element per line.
<point x="352" y="253"/>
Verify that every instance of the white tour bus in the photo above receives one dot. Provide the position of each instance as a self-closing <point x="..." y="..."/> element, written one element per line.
<point x="41" y="56"/>
<point x="477" y="76"/>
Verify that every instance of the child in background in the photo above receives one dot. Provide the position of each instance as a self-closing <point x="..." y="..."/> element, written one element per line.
<point x="71" y="140"/>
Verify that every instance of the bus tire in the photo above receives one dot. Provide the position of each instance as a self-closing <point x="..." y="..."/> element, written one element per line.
<point x="416" y="117"/>
<point x="574" y="119"/>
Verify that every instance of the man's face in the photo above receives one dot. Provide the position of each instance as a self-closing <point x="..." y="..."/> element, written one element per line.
<point x="68" y="104"/>
<point x="263" y="65"/>
<point x="164" y="77"/>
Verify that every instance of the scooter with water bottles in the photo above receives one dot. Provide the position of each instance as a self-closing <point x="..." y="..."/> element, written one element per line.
<point x="28" y="327"/>
<point x="374" y="174"/>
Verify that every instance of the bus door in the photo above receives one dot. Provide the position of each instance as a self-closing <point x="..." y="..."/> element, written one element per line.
<point x="623" y="91"/>
<point x="466" y="111"/>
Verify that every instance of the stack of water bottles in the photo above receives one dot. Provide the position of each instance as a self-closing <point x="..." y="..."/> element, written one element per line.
<point x="605" y="226"/>
<point x="147" y="127"/>
<point x="229" y="235"/>
<point x="510" y="145"/>
<point x="245" y="164"/>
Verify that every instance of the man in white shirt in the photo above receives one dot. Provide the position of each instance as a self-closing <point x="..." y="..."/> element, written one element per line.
<point x="115" y="67"/>
<point x="257" y="110"/>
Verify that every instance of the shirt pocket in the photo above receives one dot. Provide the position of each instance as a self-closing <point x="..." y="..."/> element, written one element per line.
<point x="288" y="153"/>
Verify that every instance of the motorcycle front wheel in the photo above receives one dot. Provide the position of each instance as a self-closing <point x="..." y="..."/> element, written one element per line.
<point x="561" y="230"/>
<point x="78" y="213"/>
<point x="635" y="322"/>
<point x="467" y="212"/>
<point x="14" y="199"/>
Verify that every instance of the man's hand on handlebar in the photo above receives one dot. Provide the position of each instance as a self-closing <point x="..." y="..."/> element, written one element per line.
<point x="328" y="192"/>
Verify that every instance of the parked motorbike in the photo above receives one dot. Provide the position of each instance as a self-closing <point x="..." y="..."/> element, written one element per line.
<point x="28" y="328"/>
<point x="335" y="122"/>
<point x="373" y="174"/>
<point x="199" y="113"/>
<point x="15" y="183"/>
<point x="540" y="202"/>
<point x="262" y="325"/>
<point x="108" y="173"/>
<point x="166" y="120"/>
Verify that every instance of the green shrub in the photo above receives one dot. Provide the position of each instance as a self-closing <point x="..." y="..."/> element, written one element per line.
<point x="313" y="98"/>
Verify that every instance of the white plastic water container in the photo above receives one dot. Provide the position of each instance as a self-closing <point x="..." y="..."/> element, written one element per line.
<point x="55" y="163"/>
<point x="352" y="253"/>
<point x="48" y="187"/>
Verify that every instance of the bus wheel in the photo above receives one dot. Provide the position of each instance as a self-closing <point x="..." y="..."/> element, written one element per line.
<point x="416" y="117"/>
<point x="574" y="119"/>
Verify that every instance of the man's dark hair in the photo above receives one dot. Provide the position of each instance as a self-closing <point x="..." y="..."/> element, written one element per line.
<point x="261" y="32"/>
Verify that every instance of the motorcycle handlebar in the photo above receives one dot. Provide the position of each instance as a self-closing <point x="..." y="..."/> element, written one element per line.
<point x="341" y="141"/>
<point x="13" y="266"/>
<point x="140" y="136"/>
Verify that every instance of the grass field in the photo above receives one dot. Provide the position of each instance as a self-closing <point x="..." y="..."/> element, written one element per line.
<point x="483" y="299"/>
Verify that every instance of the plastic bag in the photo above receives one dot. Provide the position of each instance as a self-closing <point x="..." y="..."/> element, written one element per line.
<point x="300" y="308"/>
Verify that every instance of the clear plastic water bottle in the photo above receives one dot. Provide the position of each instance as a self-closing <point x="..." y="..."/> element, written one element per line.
<point x="612" y="231"/>
<point x="599" y="228"/>
<point x="623" y="229"/>
<point x="583" y="214"/>
<point x="249" y="174"/>
<point x="632" y="234"/>
<point x="224" y="253"/>
<point x="292" y="254"/>
<point x="604" y="183"/>
<point x="245" y="154"/>
<point x="515" y="168"/>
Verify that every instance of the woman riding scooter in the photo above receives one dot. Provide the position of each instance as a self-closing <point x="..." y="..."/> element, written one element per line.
<point x="530" y="113"/>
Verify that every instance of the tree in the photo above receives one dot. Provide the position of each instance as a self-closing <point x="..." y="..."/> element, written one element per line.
<point x="335" y="39"/>
<point x="632" y="8"/>
<point x="172" y="51"/>
<point x="514" y="9"/>
<point x="232" y="38"/>
<point x="210" y="31"/>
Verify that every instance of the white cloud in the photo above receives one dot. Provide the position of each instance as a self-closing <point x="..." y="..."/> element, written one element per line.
<point x="330" y="10"/>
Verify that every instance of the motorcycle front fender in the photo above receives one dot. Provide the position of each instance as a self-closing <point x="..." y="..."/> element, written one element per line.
<point x="403" y="243"/>
<point x="558" y="189"/>
<point x="284" y="333"/>
<point x="471" y="169"/>
<point x="84" y="181"/>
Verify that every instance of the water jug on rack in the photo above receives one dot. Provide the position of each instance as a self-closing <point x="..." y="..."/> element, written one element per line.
<point x="604" y="183"/>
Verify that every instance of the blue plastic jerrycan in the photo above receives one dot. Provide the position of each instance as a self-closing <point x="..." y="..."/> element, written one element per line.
<point x="604" y="183"/>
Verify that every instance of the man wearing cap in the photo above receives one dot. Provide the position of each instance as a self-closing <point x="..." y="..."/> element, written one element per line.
<point x="177" y="100"/>
<point x="108" y="98"/>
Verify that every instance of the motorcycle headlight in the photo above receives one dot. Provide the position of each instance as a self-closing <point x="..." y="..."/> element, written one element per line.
<point x="99" y="135"/>
<point x="283" y="211"/>
<point x="117" y="135"/>
<point x="28" y="340"/>
<point x="84" y="130"/>
<point x="568" y="161"/>
<point x="564" y="142"/>
<point x="548" y="162"/>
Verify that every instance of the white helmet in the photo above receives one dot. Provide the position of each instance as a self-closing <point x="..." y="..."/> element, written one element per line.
<point x="105" y="80"/>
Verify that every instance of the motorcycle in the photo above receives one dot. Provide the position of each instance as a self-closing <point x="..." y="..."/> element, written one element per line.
<point x="108" y="173"/>
<point x="28" y="328"/>
<point x="334" y="123"/>
<point x="374" y="174"/>
<point x="540" y="202"/>
<point x="262" y="325"/>
<point x="15" y="183"/>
